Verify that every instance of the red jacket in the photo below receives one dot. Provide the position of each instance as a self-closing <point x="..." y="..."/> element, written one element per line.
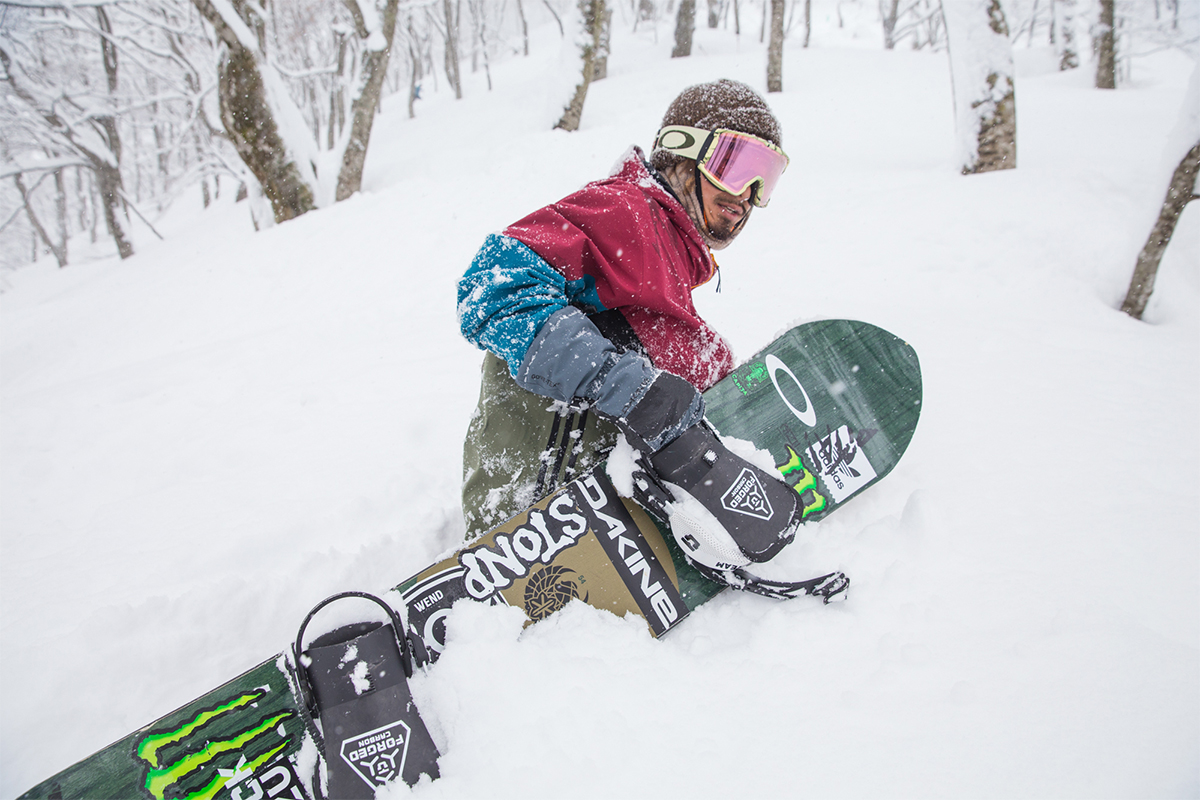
<point x="636" y="241"/>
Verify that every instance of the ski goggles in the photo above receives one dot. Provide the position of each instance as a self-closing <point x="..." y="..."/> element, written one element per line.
<point x="732" y="160"/>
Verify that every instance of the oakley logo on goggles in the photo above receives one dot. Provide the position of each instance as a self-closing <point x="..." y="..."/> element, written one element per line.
<point x="732" y="160"/>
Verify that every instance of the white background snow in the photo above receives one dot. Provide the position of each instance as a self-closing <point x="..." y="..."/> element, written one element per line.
<point x="202" y="442"/>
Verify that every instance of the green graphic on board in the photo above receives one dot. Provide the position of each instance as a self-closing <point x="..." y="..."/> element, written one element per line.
<point x="749" y="378"/>
<point x="196" y="745"/>
<point x="836" y="401"/>
<point x="811" y="500"/>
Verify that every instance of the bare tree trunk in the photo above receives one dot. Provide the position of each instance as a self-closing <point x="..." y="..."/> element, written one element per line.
<point x="255" y="135"/>
<point x="362" y="110"/>
<point x="807" y="21"/>
<point x="1106" y="60"/>
<point x="592" y="12"/>
<point x="685" y="24"/>
<point x="251" y="125"/>
<point x="452" y="73"/>
<point x="524" y="26"/>
<point x="81" y="198"/>
<point x="982" y="74"/>
<point x="603" y="47"/>
<point x="775" y="47"/>
<point x="337" y="99"/>
<point x="414" y="75"/>
<point x="1068" y="56"/>
<point x="888" y="11"/>
<point x="1180" y="192"/>
<point x="561" y="30"/>
<point x="479" y="25"/>
<point x="60" y="213"/>
<point x="93" y="195"/>
<point x="60" y="254"/>
<point x="108" y="175"/>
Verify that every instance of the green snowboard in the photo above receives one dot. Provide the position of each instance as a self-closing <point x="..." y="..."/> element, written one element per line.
<point x="835" y="402"/>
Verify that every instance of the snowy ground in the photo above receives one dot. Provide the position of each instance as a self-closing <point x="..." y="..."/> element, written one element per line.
<point x="202" y="442"/>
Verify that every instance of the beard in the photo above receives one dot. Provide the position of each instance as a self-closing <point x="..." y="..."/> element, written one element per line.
<point x="724" y="230"/>
<point x="718" y="234"/>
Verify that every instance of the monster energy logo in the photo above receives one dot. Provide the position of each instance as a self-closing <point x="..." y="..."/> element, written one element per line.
<point x="215" y="747"/>
<point x="811" y="500"/>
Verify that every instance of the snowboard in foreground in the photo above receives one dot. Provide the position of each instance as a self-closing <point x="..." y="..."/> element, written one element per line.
<point x="835" y="402"/>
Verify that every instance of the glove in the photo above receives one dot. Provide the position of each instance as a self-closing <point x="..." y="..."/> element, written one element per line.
<point x="668" y="407"/>
<point x="738" y="513"/>
<point x="572" y="362"/>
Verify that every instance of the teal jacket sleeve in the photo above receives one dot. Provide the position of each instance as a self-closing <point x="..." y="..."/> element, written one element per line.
<point x="509" y="292"/>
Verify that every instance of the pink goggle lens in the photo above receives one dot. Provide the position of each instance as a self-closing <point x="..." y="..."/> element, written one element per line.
<point x="736" y="160"/>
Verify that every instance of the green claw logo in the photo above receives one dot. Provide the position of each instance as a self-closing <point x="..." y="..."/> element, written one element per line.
<point x="813" y="501"/>
<point x="194" y="748"/>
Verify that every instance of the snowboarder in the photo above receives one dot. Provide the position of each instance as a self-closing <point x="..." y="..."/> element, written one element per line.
<point x="585" y="309"/>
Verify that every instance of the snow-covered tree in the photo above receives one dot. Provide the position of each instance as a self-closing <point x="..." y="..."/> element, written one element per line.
<point x="1184" y="144"/>
<point x="265" y="124"/>
<point x="775" y="48"/>
<point x="919" y="21"/>
<point x="685" y="25"/>
<point x="1124" y="30"/>
<point x="1063" y="34"/>
<point x="983" y="78"/>
<point x="588" y="26"/>
<point x="79" y="80"/>
<point x="1106" y="48"/>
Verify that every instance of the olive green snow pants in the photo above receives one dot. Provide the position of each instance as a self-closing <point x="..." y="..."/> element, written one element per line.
<point x="521" y="446"/>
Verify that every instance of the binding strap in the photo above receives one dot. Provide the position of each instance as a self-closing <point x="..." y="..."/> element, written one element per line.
<point x="829" y="588"/>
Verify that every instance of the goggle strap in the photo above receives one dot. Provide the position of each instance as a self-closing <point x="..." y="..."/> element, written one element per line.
<point x="684" y="141"/>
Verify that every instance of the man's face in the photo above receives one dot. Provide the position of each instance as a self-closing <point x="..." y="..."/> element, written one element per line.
<point x="724" y="212"/>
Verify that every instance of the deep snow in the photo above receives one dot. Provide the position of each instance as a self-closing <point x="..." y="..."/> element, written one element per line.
<point x="202" y="442"/>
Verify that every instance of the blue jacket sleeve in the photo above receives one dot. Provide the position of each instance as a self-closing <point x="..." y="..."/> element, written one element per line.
<point x="509" y="292"/>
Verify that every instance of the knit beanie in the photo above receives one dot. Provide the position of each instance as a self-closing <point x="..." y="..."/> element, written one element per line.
<point x="719" y="104"/>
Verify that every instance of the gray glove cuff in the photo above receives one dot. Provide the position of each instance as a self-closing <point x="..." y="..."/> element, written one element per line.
<point x="571" y="361"/>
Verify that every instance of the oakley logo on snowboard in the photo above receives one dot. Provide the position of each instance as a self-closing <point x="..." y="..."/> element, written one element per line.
<point x="809" y="415"/>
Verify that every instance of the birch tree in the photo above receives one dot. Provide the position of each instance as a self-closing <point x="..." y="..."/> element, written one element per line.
<point x="775" y="48"/>
<point x="1106" y="47"/>
<point x="984" y="87"/>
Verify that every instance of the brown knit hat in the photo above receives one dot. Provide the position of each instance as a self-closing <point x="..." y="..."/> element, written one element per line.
<point x="719" y="104"/>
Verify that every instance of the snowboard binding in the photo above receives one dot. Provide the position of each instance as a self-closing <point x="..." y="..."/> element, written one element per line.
<point x="353" y="680"/>
<point x="727" y="513"/>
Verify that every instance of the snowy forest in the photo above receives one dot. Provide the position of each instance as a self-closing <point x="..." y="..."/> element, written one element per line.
<point x="233" y="383"/>
<point x="112" y="110"/>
